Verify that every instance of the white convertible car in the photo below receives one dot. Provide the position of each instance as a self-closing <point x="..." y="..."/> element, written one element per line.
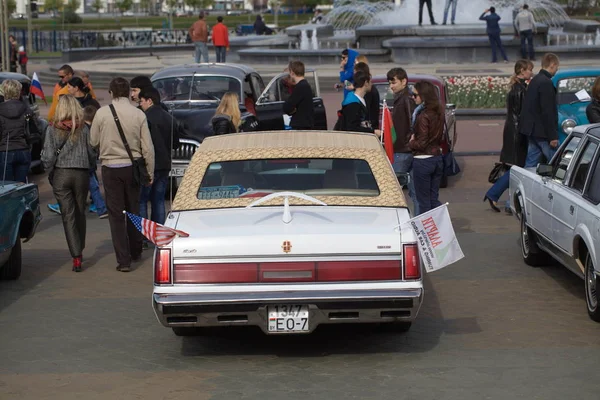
<point x="288" y="230"/>
<point x="558" y="205"/>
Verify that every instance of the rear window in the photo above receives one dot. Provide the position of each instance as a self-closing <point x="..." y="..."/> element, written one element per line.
<point x="566" y="88"/>
<point x="204" y="88"/>
<point x="258" y="178"/>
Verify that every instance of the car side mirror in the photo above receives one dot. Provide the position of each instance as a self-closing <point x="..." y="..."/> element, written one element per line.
<point x="403" y="178"/>
<point x="450" y="107"/>
<point x="544" y="170"/>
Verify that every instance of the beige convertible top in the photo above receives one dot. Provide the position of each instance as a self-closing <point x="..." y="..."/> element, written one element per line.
<point x="286" y="145"/>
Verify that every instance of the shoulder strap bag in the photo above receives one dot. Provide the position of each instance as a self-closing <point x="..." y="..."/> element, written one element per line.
<point x="56" y="154"/>
<point x="140" y="173"/>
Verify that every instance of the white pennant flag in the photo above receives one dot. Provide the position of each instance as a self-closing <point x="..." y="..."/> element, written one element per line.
<point x="436" y="239"/>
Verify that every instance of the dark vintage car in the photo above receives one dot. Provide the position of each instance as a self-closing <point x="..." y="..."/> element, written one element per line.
<point x="19" y="217"/>
<point x="36" y="164"/>
<point x="193" y="92"/>
<point x="451" y="136"/>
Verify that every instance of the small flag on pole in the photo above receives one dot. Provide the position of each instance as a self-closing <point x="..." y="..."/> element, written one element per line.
<point x="158" y="234"/>
<point x="388" y="132"/>
<point x="36" y="88"/>
<point x="436" y="239"/>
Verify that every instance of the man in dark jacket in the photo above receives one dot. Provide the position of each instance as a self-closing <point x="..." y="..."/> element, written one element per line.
<point x="493" y="31"/>
<point x="163" y="130"/>
<point x="539" y="116"/>
<point x="372" y="97"/>
<point x="355" y="116"/>
<point x="300" y="104"/>
<point x="404" y="105"/>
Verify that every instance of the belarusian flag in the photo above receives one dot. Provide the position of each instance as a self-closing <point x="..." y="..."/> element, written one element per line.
<point x="388" y="132"/>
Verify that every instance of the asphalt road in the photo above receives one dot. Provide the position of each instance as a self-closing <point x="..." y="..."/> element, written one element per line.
<point x="490" y="328"/>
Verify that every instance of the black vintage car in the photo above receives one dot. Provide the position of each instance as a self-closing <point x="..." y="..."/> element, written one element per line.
<point x="193" y="92"/>
<point x="36" y="164"/>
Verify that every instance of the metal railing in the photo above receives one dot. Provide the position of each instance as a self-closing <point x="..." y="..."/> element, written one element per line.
<point x="56" y="41"/>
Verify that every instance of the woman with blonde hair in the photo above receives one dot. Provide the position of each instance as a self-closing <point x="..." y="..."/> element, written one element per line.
<point x="227" y="118"/>
<point x="68" y="156"/>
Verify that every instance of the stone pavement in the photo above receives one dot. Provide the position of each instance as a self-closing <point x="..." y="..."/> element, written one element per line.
<point x="490" y="328"/>
<point x="150" y="64"/>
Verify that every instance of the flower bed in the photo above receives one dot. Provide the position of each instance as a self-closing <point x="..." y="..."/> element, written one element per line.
<point x="477" y="91"/>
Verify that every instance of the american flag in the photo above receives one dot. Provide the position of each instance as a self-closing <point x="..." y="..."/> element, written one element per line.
<point x="158" y="234"/>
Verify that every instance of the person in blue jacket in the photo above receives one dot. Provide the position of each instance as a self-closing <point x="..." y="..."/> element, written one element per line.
<point x="493" y="31"/>
<point x="347" y="70"/>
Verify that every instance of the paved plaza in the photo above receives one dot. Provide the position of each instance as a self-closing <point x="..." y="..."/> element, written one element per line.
<point x="490" y="328"/>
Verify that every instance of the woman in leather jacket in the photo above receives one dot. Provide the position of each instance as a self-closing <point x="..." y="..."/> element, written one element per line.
<point x="593" y="109"/>
<point x="227" y="118"/>
<point x="514" y="145"/>
<point x="425" y="143"/>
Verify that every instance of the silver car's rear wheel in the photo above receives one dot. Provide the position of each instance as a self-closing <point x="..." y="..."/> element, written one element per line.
<point x="591" y="289"/>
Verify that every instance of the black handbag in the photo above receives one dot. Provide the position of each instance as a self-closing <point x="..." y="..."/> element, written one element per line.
<point x="32" y="132"/>
<point x="140" y="173"/>
<point x="451" y="167"/>
<point x="498" y="170"/>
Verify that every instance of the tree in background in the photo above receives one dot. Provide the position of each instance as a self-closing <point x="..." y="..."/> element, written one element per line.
<point x="145" y="5"/>
<point x="171" y="6"/>
<point x="124" y="5"/>
<point x="11" y="6"/>
<point x="53" y="5"/>
<point x="72" y="5"/>
<point x="98" y="5"/>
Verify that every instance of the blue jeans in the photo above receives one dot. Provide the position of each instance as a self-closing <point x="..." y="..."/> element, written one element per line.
<point x="97" y="199"/>
<point x="155" y="193"/>
<point x="221" y="52"/>
<point x="427" y="173"/>
<point x="495" y="41"/>
<point x="536" y="149"/>
<point x="447" y="7"/>
<point x="403" y="163"/>
<point x="201" y="50"/>
<point x="499" y="187"/>
<point x="17" y="165"/>
<point x="527" y="36"/>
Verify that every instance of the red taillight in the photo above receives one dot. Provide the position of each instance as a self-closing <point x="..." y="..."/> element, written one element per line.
<point x="412" y="264"/>
<point x="216" y="273"/>
<point x="287" y="272"/>
<point x="162" y="266"/>
<point x="329" y="271"/>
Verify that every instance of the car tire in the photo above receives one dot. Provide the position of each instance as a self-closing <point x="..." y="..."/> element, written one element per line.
<point x="444" y="182"/>
<point x="591" y="289"/>
<point x="532" y="254"/>
<point x="187" y="331"/>
<point x="11" y="270"/>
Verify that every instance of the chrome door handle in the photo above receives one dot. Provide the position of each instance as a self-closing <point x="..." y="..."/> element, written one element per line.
<point x="571" y="210"/>
<point x="550" y="197"/>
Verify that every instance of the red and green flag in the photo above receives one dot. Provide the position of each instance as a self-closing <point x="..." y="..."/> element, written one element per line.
<point x="388" y="132"/>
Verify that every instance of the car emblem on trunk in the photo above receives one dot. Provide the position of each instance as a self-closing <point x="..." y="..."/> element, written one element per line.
<point x="286" y="246"/>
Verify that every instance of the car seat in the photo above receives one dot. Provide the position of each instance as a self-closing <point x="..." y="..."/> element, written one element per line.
<point x="342" y="175"/>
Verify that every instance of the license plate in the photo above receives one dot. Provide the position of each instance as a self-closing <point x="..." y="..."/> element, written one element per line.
<point x="287" y="318"/>
<point x="177" y="171"/>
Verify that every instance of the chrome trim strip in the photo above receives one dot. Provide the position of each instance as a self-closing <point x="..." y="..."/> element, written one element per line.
<point x="287" y="274"/>
<point x="266" y="258"/>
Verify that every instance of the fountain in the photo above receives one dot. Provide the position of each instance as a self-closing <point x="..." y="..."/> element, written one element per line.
<point x="385" y="31"/>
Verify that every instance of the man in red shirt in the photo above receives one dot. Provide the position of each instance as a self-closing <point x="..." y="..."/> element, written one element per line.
<point x="220" y="39"/>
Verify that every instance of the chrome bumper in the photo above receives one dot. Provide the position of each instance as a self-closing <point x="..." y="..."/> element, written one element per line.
<point x="230" y="309"/>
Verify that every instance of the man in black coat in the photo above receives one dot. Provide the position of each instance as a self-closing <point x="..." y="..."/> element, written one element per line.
<point x="300" y="104"/>
<point x="539" y="116"/>
<point x="163" y="129"/>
